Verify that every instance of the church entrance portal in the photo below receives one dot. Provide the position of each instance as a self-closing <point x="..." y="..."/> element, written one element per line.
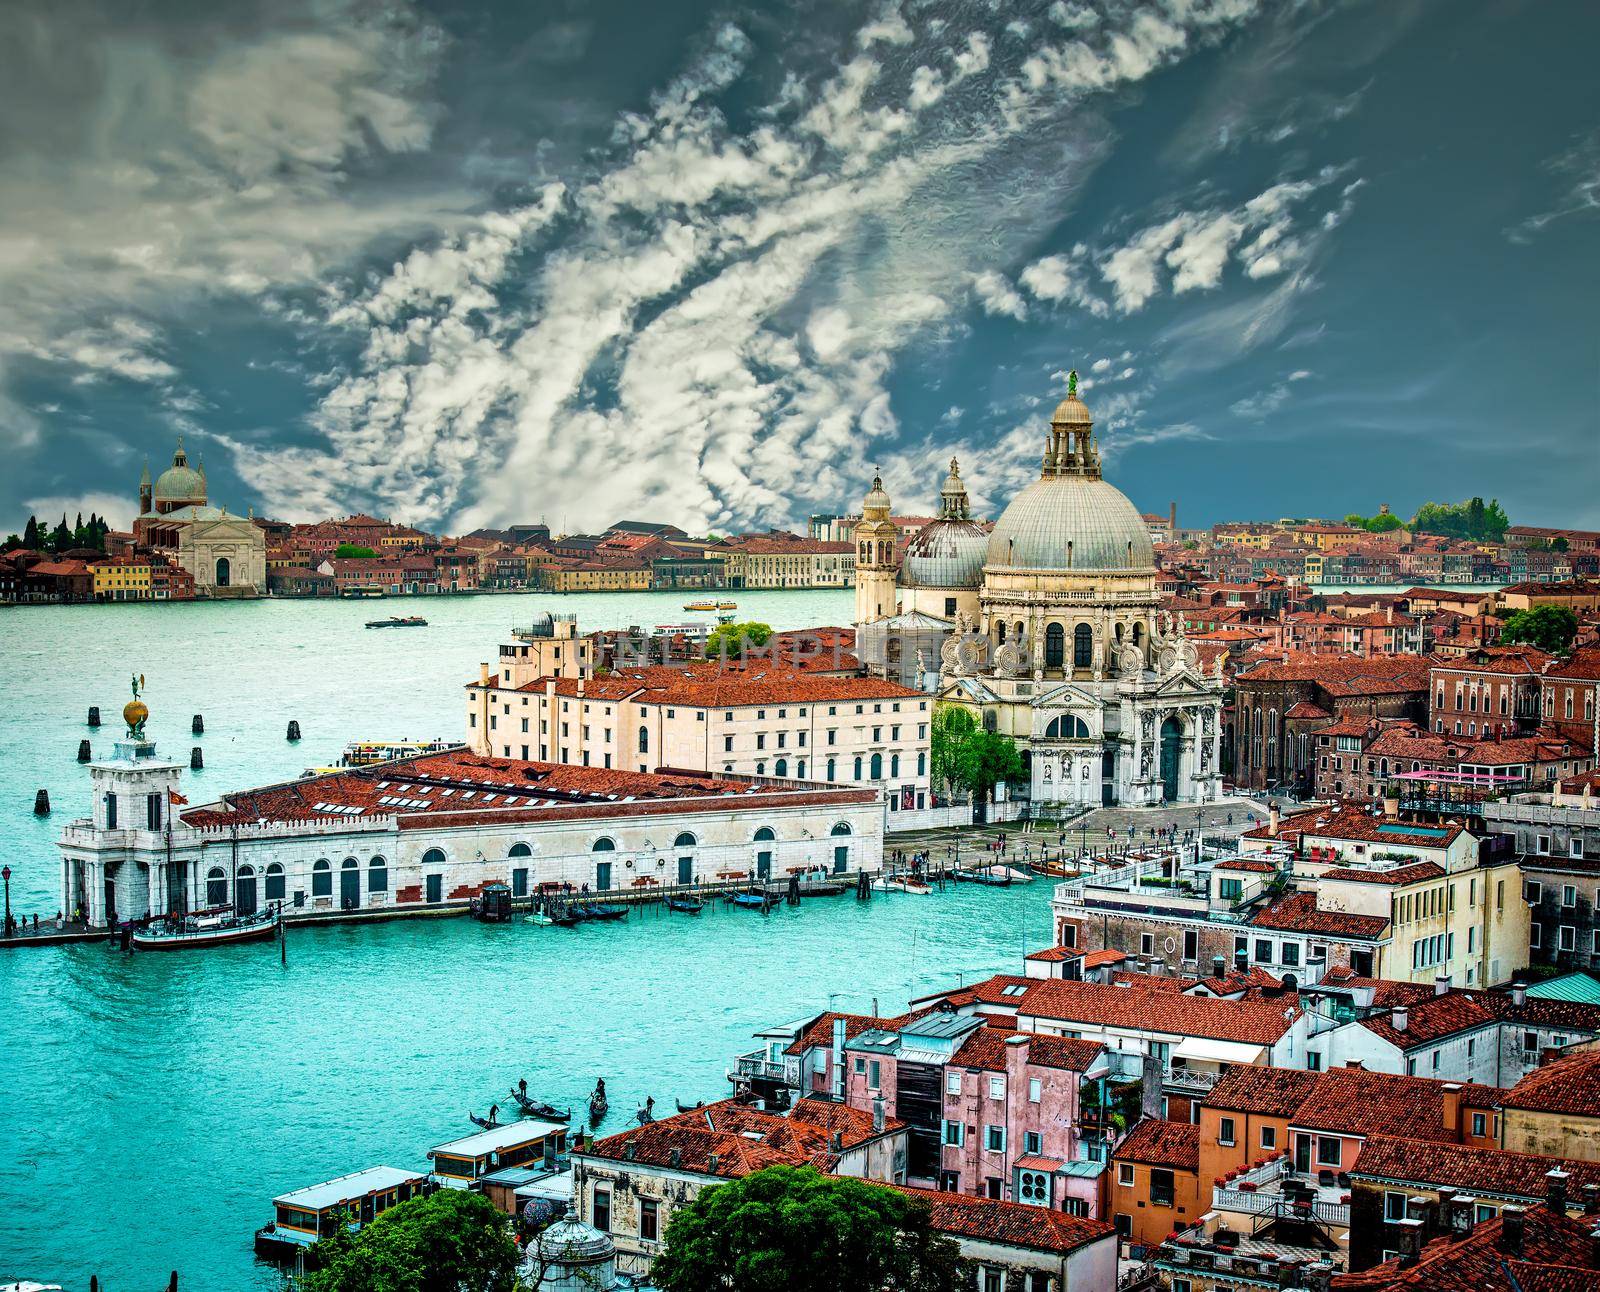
<point x="223" y="570"/>
<point x="1171" y="747"/>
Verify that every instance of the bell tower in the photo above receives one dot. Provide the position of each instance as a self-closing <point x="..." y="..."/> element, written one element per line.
<point x="875" y="567"/>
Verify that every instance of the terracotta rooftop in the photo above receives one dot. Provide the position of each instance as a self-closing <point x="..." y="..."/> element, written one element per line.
<point x="1298" y="913"/>
<point x="741" y="1138"/>
<point x="1459" y="1166"/>
<point x="1345" y="675"/>
<point x="1162" y="1143"/>
<point x="1415" y="873"/>
<point x="711" y="686"/>
<point x="460" y="788"/>
<point x="1132" y="1007"/>
<point x="1349" y="1101"/>
<point x="1348" y="822"/>
<point x="985" y="1049"/>
<point x="1557" y="1255"/>
<point x="1013" y="1224"/>
<point x="1568" y="1085"/>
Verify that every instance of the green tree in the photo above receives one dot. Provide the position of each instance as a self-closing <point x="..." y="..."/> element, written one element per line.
<point x="353" y="552"/>
<point x="1382" y="523"/>
<point x="951" y="727"/>
<point x="30" y="534"/>
<point x="1473" y="519"/>
<point x="1559" y="543"/>
<point x="14" y="541"/>
<point x="453" y="1241"/>
<point x="1549" y="627"/>
<point x="793" y="1229"/>
<point x="986" y="760"/>
<point x="733" y="640"/>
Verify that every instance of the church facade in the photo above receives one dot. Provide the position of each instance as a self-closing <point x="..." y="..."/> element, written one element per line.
<point x="1048" y="629"/>
<point x="226" y="553"/>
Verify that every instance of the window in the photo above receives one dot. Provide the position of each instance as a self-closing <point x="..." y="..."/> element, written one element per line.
<point x="217" y="887"/>
<point x="648" y="1214"/>
<point x="1566" y="938"/>
<point x="1147" y="944"/>
<point x="1263" y="951"/>
<point x="1161" y="1187"/>
<point x="1394" y="1205"/>
<point x="601" y="1217"/>
<point x="1569" y="895"/>
<point x="152" y="812"/>
<point x="1032" y="1142"/>
<point x="378" y="876"/>
<point x="875" y="1075"/>
<point x="1055" y="646"/>
<point x="997" y="1087"/>
<point x="1329" y="1150"/>
<point x="1482" y="1212"/>
<point x="1479" y="1125"/>
<point x="1291" y="953"/>
<point x="275" y="886"/>
<point x="1229" y="890"/>
<point x="954" y="1133"/>
<point x="111" y="811"/>
<point x="1191" y="944"/>
<point x="952" y="1082"/>
<point x="322" y="879"/>
<point x="994" y="1138"/>
<point x="1225" y="1131"/>
<point x="1125" y="1174"/>
<point x="1083" y="646"/>
<point x="1034" y="1094"/>
<point x="1269" y="1137"/>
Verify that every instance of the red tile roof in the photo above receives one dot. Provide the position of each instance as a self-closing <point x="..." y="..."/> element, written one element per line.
<point x="1395" y="875"/>
<point x="1458" y="1166"/>
<point x="1557" y="1255"/>
<point x="1298" y="913"/>
<point x="1345" y="675"/>
<point x="1348" y="1101"/>
<point x="1013" y="1224"/>
<point x="1162" y="1143"/>
<point x="711" y="686"/>
<point x="460" y="788"/>
<point x="742" y="1138"/>
<point x="985" y="1049"/>
<point x="1254" y="864"/>
<point x="1348" y="822"/>
<point x="1250" y="1022"/>
<point x="1570" y="1085"/>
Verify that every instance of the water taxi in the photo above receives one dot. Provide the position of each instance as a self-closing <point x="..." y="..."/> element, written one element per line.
<point x="462" y="1162"/>
<point x="212" y="928"/>
<point x="369" y="753"/>
<point x="304" y="1216"/>
<point x="705" y="606"/>
<point x="398" y="621"/>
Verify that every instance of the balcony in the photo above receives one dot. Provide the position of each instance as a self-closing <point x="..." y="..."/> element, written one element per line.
<point x="1273" y="1191"/>
<point x="756" y="1065"/>
<point x="1190" y="1080"/>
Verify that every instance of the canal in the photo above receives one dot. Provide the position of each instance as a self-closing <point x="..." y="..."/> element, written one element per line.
<point x="155" y="1104"/>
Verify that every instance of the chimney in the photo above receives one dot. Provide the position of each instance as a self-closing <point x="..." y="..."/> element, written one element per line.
<point x="1591" y="1198"/>
<point x="1272" y="821"/>
<point x="1512" y="1221"/>
<point x="877" y="1115"/>
<point x="1219" y="966"/>
<point x="1441" y="984"/>
<point x="1450" y="1108"/>
<point x="1158" y="966"/>
<point x="1407" y="1240"/>
<point x="1439" y="1213"/>
<point x="711" y="1162"/>
<point x="1555" y="1190"/>
<point x="1172" y="519"/>
<point x="838" y="1058"/>
<point x="628" y="1150"/>
<point x="836" y="1142"/>
<point x="675" y="1158"/>
<point x="1462" y="1210"/>
<point x="1241" y="960"/>
<point x="1397" y="1016"/>
<point x="1519" y="994"/>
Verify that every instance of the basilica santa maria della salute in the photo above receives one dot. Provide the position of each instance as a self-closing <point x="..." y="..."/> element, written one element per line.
<point x="1047" y="629"/>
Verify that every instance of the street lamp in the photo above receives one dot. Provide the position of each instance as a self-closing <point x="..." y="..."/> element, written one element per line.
<point x="7" y="873"/>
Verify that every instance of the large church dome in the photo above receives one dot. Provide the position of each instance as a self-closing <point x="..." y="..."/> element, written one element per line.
<point x="1070" y="518"/>
<point x="180" y="483"/>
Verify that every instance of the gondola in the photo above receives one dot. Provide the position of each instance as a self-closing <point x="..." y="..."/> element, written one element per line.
<point x="538" y="1108"/>
<point x="487" y="1123"/>
<point x="754" y="901"/>
<point x="603" y="911"/>
<point x="597" y="1107"/>
<point x="687" y="905"/>
<point x="689" y="1108"/>
<point x="647" y="1114"/>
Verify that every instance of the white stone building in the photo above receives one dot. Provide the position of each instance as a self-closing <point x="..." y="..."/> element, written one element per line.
<point x="431" y="831"/>
<point x="1067" y="652"/>
<point x="226" y="553"/>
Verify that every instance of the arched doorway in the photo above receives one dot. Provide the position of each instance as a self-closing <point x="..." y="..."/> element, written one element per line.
<point x="224" y="571"/>
<point x="244" y="891"/>
<point x="764" y="840"/>
<point x="1171" y="749"/>
<point x="350" y="884"/>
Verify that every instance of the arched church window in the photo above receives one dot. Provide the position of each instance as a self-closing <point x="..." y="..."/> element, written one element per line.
<point x="1055" y="646"/>
<point x="1067" y="726"/>
<point x="1083" y="646"/>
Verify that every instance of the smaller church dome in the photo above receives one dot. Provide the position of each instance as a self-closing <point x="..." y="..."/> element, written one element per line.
<point x="945" y="554"/>
<point x="877" y="498"/>
<point x="1071" y="411"/>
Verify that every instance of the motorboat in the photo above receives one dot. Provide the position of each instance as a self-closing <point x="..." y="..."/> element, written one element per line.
<point x="211" y="928"/>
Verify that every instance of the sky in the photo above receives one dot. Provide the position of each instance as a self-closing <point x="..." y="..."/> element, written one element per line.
<point x="476" y="264"/>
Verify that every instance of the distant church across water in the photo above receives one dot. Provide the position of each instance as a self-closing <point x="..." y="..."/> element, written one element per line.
<point x="1047" y="629"/>
<point x="226" y="553"/>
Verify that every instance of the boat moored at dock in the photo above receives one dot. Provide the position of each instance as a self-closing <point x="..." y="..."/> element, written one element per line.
<point x="302" y="1217"/>
<point x="204" y="929"/>
<point x="398" y="621"/>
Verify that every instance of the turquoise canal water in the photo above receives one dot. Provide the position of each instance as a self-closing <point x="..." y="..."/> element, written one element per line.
<point x="151" y="1106"/>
